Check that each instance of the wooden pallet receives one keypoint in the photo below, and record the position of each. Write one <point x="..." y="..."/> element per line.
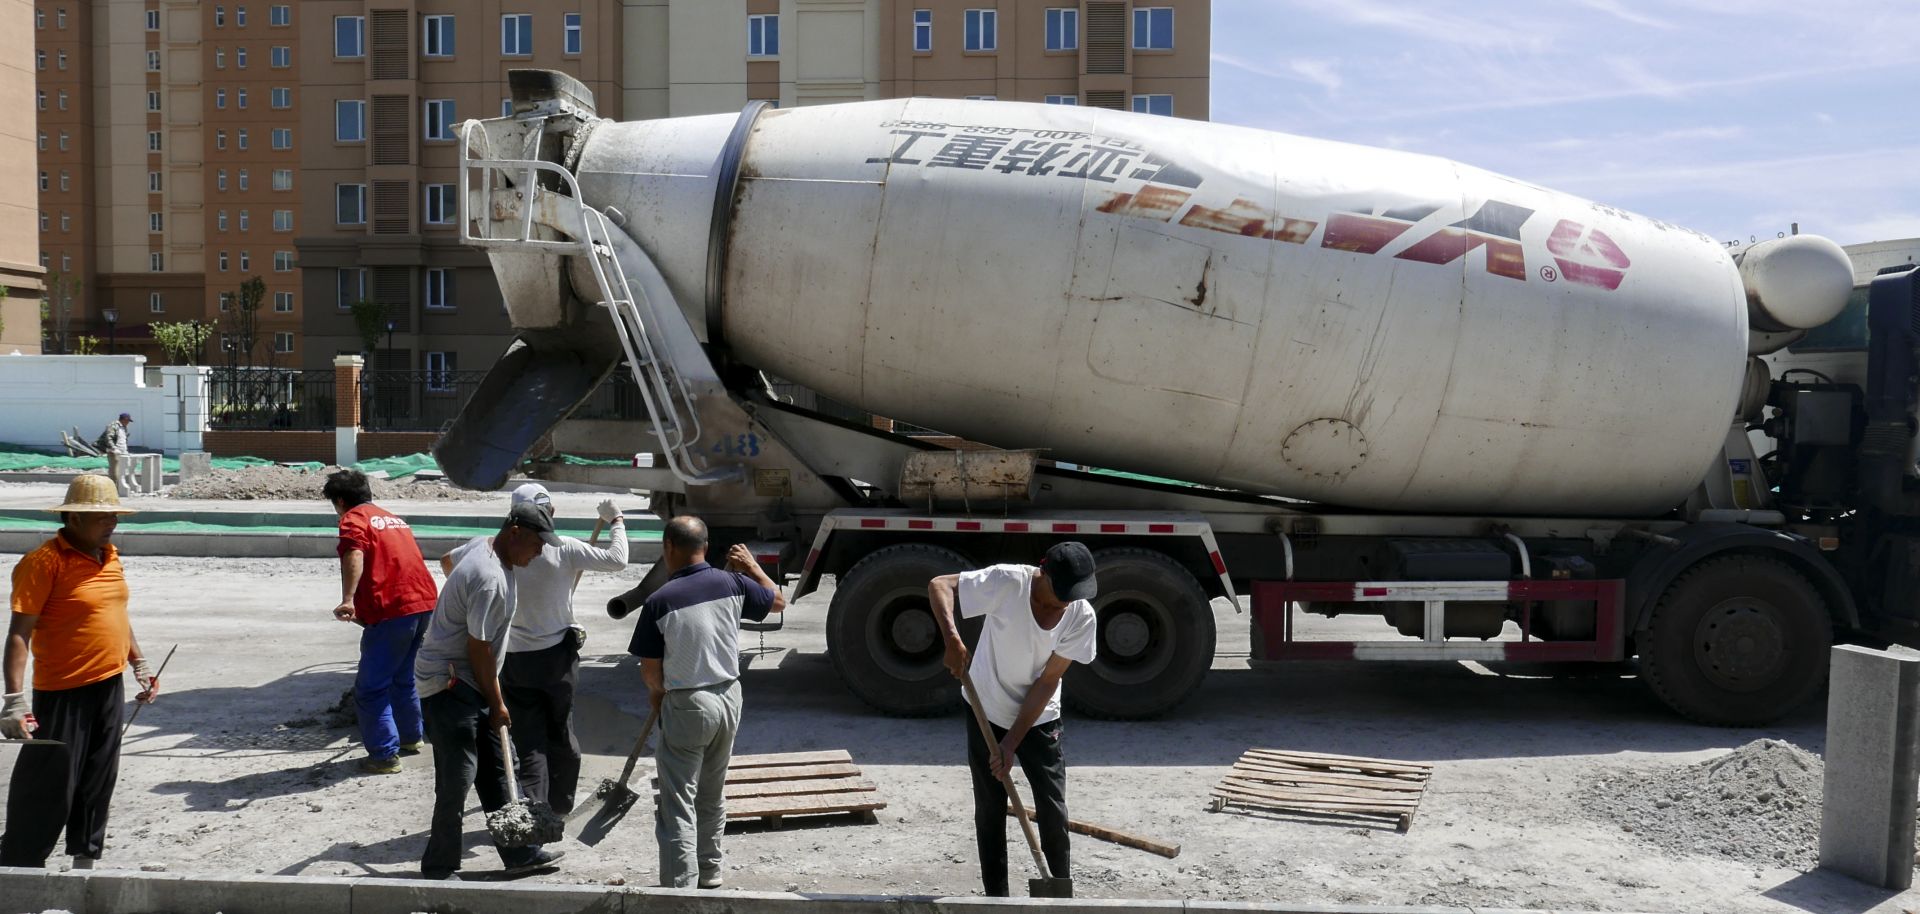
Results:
<point x="1313" y="784"/>
<point x="774" y="786"/>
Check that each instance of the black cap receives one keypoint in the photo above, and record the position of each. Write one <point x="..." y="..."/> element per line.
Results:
<point x="1069" y="569"/>
<point x="528" y="515"/>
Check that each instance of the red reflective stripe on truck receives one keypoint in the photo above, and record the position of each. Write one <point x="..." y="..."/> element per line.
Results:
<point x="1066" y="528"/>
<point x="1159" y="528"/>
<point x="919" y="525"/>
<point x="1219" y="564"/>
<point x="1014" y="526"/>
<point x="967" y="525"/>
<point x="872" y="523"/>
<point x="1113" y="528"/>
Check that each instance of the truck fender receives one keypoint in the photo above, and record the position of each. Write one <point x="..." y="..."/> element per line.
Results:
<point x="1656" y="569"/>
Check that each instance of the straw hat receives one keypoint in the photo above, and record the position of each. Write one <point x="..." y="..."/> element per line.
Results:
<point x="92" y="493"/>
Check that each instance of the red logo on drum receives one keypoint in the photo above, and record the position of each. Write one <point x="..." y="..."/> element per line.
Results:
<point x="1587" y="256"/>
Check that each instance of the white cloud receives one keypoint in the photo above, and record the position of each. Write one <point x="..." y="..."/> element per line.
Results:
<point x="1624" y="13"/>
<point x="1319" y="72"/>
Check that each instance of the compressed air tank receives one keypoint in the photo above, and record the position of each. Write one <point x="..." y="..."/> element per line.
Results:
<point x="1239" y="308"/>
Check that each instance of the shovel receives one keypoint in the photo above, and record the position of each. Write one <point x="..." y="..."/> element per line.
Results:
<point x="1048" y="885"/>
<point x="612" y="799"/>
<point x="520" y="823"/>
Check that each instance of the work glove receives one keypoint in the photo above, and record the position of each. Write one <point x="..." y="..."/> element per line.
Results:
<point x="149" y="683"/>
<point x="16" y="722"/>
<point x="608" y="513"/>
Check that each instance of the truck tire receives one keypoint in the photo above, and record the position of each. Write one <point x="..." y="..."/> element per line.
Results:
<point x="1155" y="640"/>
<point x="1738" y="640"/>
<point x="881" y="634"/>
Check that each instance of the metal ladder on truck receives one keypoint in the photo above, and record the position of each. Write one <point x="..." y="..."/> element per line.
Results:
<point x="518" y="200"/>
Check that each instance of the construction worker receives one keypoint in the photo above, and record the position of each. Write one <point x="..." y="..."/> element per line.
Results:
<point x="1038" y="621"/>
<point x="543" y="653"/>
<point x="386" y="589"/>
<point x="69" y="610"/>
<point x="113" y="442"/>
<point x="458" y="676"/>
<point x="688" y="644"/>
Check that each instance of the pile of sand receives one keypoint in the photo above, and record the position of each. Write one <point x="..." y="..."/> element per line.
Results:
<point x="288" y="483"/>
<point x="1759" y="804"/>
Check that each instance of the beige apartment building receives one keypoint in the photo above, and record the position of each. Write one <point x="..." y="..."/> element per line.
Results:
<point x="21" y="275"/>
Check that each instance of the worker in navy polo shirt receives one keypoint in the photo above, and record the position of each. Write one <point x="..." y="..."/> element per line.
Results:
<point x="688" y="644"/>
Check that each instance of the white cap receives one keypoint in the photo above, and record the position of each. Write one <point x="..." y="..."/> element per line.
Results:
<point x="535" y="494"/>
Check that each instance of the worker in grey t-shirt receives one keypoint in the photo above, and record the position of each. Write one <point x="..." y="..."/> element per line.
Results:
<point x="457" y="672"/>
<point x="543" y="653"/>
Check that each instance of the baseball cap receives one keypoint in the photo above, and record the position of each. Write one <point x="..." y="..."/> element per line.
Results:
<point x="529" y="516"/>
<point x="1069" y="569"/>
<point x="533" y="493"/>
<point x="127" y="416"/>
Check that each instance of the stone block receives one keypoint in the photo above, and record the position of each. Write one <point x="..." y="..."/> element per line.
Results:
<point x="408" y="896"/>
<point x="195" y="464"/>
<point x="124" y="892"/>
<point x="27" y="891"/>
<point x="1872" y="766"/>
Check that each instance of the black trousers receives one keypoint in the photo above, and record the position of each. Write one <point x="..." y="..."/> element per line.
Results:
<point x="1041" y="758"/>
<point x="538" y="686"/>
<point x="70" y="787"/>
<point x="466" y="754"/>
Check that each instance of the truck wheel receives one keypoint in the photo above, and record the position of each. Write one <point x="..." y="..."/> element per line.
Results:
<point x="1738" y="640"/>
<point x="881" y="634"/>
<point x="1155" y="638"/>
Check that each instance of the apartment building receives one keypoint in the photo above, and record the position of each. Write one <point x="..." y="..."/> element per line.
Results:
<point x="21" y="275"/>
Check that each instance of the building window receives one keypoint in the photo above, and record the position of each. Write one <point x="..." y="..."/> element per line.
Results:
<point x="440" y="288"/>
<point x="283" y="263"/>
<point x="349" y="36"/>
<point x="60" y="18"/>
<point x="219" y="98"/>
<point x="155" y="303"/>
<point x="65" y="183"/>
<point x="923" y="30"/>
<point x="153" y="141"/>
<point x="39" y="19"/>
<point x="240" y="17"/>
<point x="350" y="121"/>
<point x="763" y="36"/>
<point x="280" y="97"/>
<point x="62" y="97"/>
<point x="283" y="220"/>
<point x="43" y="142"/>
<point x="506" y="107"/>
<point x="440" y="369"/>
<point x="282" y="341"/>
<point x="155" y="262"/>
<point x="1063" y="99"/>
<point x="153" y="20"/>
<point x="40" y="97"/>
<point x="219" y="16"/>
<point x="220" y="221"/>
<point x="516" y="34"/>
<point x="153" y="182"/>
<point x="983" y="30"/>
<point x="223" y="269"/>
<point x="244" y="220"/>
<point x="283" y="301"/>
<point x="220" y="58"/>
<point x="240" y="58"/>
<point x="1154" y="104"/>
<point x="60" y="60"/>
<point x="153" y="101"/>
<point x="154" y="222"/>
<point x="66" y="222"/>
<point x="1063" y="29"/>
<point x="240" y="99"/>
<point x="440" y="209"/>
<point x="438" y="38"/>
<point x="240" y="137"/>
<point x="66" y="263"/>
<point x="226" y="304"/>
<point x="43" y="181"/>
<point x="350" y="204"/>
<point x="439" y="119"/>
<point x="349" y="286"/>
<point x="39" y="60"/>
<point x="982" y="98"/>
<point x="220" y="138"/>
<point x="1153" y="28"/>
<point x="220" y="179"/>
<point x="45" y="223"/>
<point x="572" y="41"/>
<point x="280" y="56"/>
<point x="280" y="14"/>
<point x="283" y="179"/>
<point x="63" y="141"/>
<point x="243" y="179"/>
<point x="283" y="137"/>
<point x="246" y="261"/>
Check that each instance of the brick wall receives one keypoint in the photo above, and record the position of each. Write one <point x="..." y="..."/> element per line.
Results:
<point x="395" y="444"/>
<point x="271" y="445"/>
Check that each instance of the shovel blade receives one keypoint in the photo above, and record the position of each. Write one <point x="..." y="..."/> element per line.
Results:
<point x="602" y="813"/>
<point x="1050" y="887"/>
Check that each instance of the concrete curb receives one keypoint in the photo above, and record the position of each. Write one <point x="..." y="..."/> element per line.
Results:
<point x="24" y="891"/>
<point x="325" y="520"/>
<point x="317" y="545"/>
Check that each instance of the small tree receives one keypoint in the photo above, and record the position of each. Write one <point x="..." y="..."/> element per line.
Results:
<point x="183" y="340"/>
<point x="242" y="320"/>
<point x="56" y="307"/>
<point x="86" y="345"/>
<point x="370" y="319"/>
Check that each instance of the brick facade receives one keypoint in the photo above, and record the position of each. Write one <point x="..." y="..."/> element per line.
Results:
<point x="395" y="444"/>
<point x="276" y="445"/>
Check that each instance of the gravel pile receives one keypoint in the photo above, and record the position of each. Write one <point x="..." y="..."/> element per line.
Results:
<point x="278" y="482"/>
<point x="1759" y="804"/>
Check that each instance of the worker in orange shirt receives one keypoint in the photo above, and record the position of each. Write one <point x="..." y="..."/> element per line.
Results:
<point x="69" y="610"/>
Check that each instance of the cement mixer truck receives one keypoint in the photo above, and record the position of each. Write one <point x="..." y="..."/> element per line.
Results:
<point x="1317" y="380"/>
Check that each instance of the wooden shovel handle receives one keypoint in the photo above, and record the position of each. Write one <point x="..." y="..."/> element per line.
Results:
<point x="506" y="758"/>
<point x="633" y="758"/>
<point x="1013" y="793"/>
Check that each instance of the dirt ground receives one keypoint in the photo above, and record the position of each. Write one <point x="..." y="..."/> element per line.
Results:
<point x="212" y="780"/>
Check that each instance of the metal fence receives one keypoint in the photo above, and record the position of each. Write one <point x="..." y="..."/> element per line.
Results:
<point x="414" y="401"/>
<point x="616" y="398"/>
<point x="270" y="398"/>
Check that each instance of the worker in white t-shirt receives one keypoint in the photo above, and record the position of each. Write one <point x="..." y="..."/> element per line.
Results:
<point x="1038" y="621"/>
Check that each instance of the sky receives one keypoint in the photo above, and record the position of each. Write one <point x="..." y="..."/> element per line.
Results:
<point x="1735" y="118"/>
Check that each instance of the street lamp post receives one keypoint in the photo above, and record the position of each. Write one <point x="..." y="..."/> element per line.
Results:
<point x="112" y="317"/>
<point x="389" y="396"/>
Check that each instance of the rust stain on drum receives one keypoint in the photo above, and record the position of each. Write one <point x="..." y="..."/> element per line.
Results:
<point x="1155" y="203"/>
<point x="1245" y="218"/>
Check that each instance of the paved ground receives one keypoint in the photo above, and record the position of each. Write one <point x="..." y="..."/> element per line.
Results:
<point x="212" y="781"/>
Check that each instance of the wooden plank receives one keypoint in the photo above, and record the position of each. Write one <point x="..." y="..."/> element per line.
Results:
<point x="1324" y="791"/>
<point x="1329" y="808"/>
<point x="1117" y="836"/>
<point x="1284" y="765"/>
<point x="790" y="788"/>
<point x="789" y="773"/>
<point x="1314" y="777"/>
<point x="823" y="757"/>
<point x="803" y="805"/>
<point x="1331" y="801"/>
<point x="1341" y="760"/>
